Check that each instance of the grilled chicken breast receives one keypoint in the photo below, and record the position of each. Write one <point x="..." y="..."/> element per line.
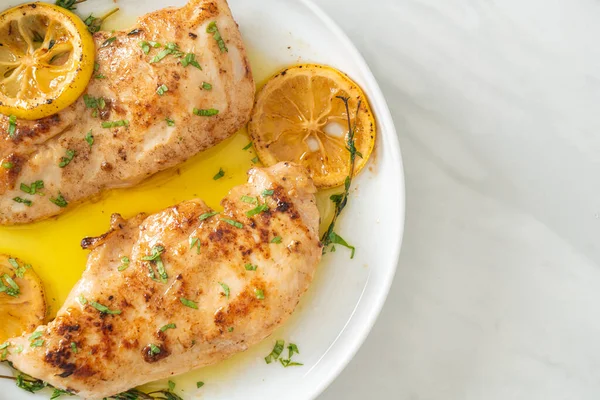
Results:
<point x="195" y="288"/>
<point x="139" y="118"/>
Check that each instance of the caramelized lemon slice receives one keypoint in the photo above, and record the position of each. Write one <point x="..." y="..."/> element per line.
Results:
<point x="46" y="60"/>
<point x="22" y="300"/>
<point x="299" y="117"/>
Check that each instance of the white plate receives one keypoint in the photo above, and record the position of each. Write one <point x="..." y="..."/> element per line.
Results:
<point x="337" y="313"/>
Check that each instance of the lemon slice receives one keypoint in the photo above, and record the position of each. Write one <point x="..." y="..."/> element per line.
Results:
<point x="299" y="117"/>
<point x="22" y="300"/>
<point x="46" y="60"/>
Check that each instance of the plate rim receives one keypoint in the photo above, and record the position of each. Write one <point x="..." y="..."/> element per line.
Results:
<point x="384" y="117"/>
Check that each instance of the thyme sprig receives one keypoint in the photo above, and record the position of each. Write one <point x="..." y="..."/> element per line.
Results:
<point x="341" y="199"/>
<point x="94" y="24"/>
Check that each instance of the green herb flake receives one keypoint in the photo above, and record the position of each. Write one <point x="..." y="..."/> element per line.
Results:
<point x="103" y="309"/>
<point x="115" y="124"/>
<point x="67" y="158"/>
<point x="212" y="28"/>
<point x="209" y="112"/>
<point x="337" y="239"/>
<point x="12" y="125"/>
<point x="170" y="48"/>
<point x="59" y="392"/>
<point x="276" y="240"/>
<point x="168" y="326"/>
<point x="171" y="385"/>
<point x="162" y="89"/>
<point x="155" y="257"/>
<point x="250" y="267"/>
<point x="108" y="41"/>
<point x="257" y="210"/>
<point x="233" y="222"/>
<point x="188" y="303"/>
<point x="36" y="335"/>
<point x="89" y="138"/>
<point x="67" y="4"/>
<point x="74" y="348"/>
<point x="124" y="264"/>
<point x="289" y="363"/>
<point x="225" y="289"/>
<point x="28" y="203"/>
<point x="32" y="189"/>
<point x="246" y="147"/>
<point x="82" y="300"/>
<point x="195" y="242"/>
<point x="37" y="343"/>
<point x="219" y="174"/>
<point x="199" y="384"/>
<point x="266" y="192"/>
<point x="206" y="86"/>
<point x="207" y="215"/>
<point x="59" y="201"/>
<point x="259" y="294"/>
<point x="276" y="352"/>
<point x="170" y="122"/>
<point x="8" y="165"/>
<point x="99" y="76"/>
<point x="29" y="384"/>
<point x="230" y="329"/>
<point x="12" y="289"/>
<point x="190" y="59"/>
<point x="254" y="160"/>
<point x="249" y="199"/>
<point x="154" y="349"/>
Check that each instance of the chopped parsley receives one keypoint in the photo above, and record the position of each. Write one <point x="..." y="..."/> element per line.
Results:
<point x="89" y="138"/>
<point x="99" y="76"/>
<point x="334" y="238"/>
<point x="199" y="384"/>
<point x="230" y="329"/>
<point x="171" y="385"/>
<point x="37" y="343"/>
<point x="190" y="59"/>
<point x="257" y="210"/>
<point x="170" y="48"/>
<point x="34" y="188"/>
<point x="115" y="124"/>
<point x="266" y="192"/>
<point x="170" y="122"/>
<point x="28" y="203"/>
<point x="147" y="45"/>
<point x="36" y="335"/>
<point x="59" y="200"/>
<point x="11" y="288"/>
<point x="219" y="174"/>
<point x="254" y="160"/>
<point x="246" y="147"/>
<point x="276" y="352"/>
<point x="12" y="125"/>
<point x="67" y="158"/>
<point x="276" y="239"/>
<point x="124" y="264"/>
<point x="95" y="103"/>
<point x="74" y="348"/>
<point x="160" y="267"/>
<point x="59" y="392"/>
<point x="250" y="267"/>
<point x="104" y="309"/>
<point x="67" y="4"/>
<point x="8" y="165"/>
<point x="19" y="269"/>
<point x="206" y="86"/>
<point x="207" y="215"/>
<point x="259" y="294"/>
<point x="225" y="289"/>
<point x="212" y="28"/>
<point x="233" y="222"/>
<point x="108" y="41"/>
<point x="188" y="303"/>
<point x="162" y="89"/>
<point x="168" y="326"/>
<point x="154" y="349"/>
<point x="195" y="242"/>
<point x="209" y="112"/>
<point x="249" y="199"/>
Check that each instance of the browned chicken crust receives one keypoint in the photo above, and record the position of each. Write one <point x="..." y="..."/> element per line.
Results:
<point x="128" y="90"/>
<point x="229" y="280"/>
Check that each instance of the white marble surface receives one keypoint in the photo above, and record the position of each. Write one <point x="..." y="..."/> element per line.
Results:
<point x="496" y="103"/>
